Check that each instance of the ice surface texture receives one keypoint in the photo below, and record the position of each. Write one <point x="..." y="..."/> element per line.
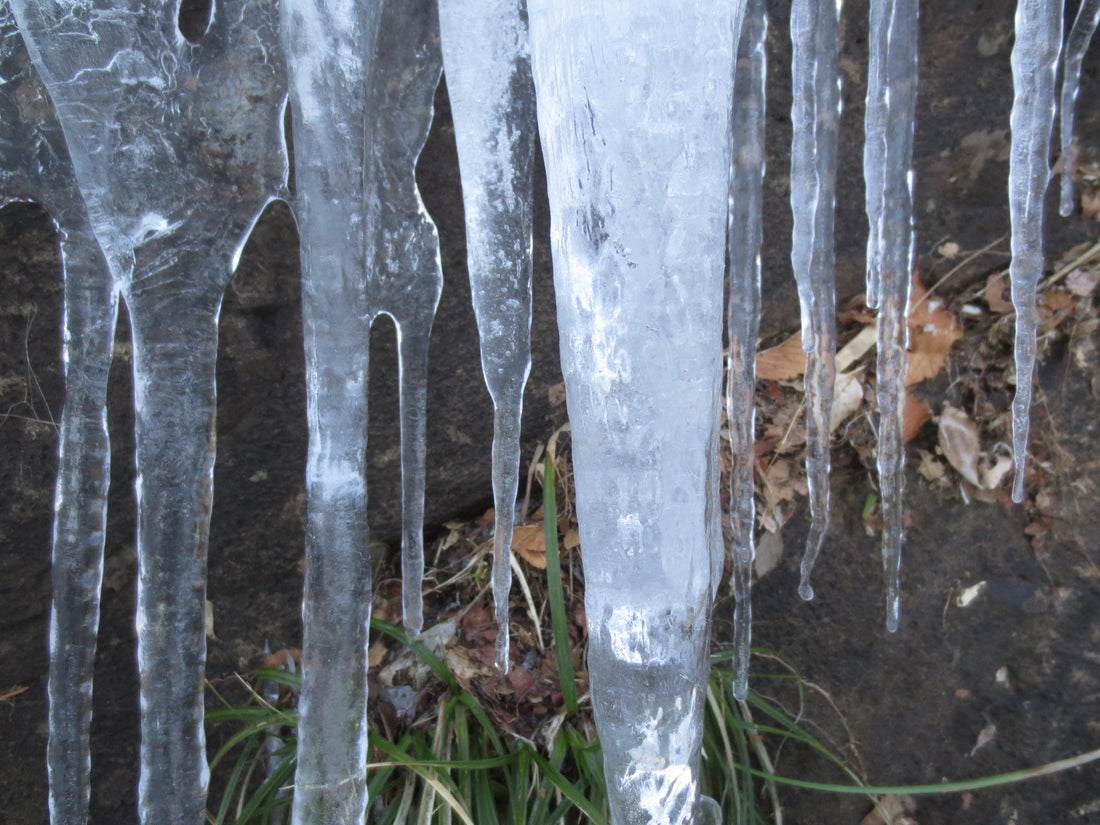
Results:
<point x="815" y="117"/>
<point x="487" y="58"/>
<point x="176" y="149"/>
<point x="637" y="160"/>
<point x="1034" y="67"/>
<point x="361" y="111"/>
<point x="35" y="165"/>
<point x="887" y="163"/>
<point x="743" y="315"/>
<point x="1084" y="26"/>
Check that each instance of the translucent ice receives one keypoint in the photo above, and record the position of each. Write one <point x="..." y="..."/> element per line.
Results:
<point x="35" y="165"/>
<point x="361" y="108"/>
<point x="815" y="116"/>
<point x="1084" y="26"/>
<point x="887" y="163"/>
<point x="1034" y="67"/>
<point x="635" y="133"/>
<point x="174" y="163"/>
<point x="488" y="65"/>
<point x="743" y="316"/>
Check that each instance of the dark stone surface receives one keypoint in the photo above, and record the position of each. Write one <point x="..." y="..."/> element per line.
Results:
<point x="256" y="535"/>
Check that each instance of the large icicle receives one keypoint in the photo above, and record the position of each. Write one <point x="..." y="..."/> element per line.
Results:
<point x="634" y="103"/>
<point x="35" y="164"/>
<point x="1034" y="67"/>
<point x="362" y="107"/>
<point x="1084" y="26"/>
<point x="815" y="117"/>
<point x="174" y="164"/>
<point x="330" y="51"/>
<point x="746" y="232"/>
<point x="488" y="67"/>
<point x="887" y="163"/>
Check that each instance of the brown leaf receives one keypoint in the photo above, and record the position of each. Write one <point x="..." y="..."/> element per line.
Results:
<point x="995" y="298"/>
<point x="784" y="362"/>
<point x="932" y="332"/>
<point x="1090" y="205"/>
<point x="917" y="412"/>
<point x="960" y="444"/>
<point x="377" y="653"/>
<point x="529" y="540"/>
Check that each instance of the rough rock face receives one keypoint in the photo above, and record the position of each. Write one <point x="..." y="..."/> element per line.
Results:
<point x="256" y="535"/>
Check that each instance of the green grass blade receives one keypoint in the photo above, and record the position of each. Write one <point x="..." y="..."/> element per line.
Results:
<point x="559" y="620"/>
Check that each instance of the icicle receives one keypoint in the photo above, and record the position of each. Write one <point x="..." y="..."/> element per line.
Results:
<point x="1034" y="67"/>
<point x="815" y="115"/>
<point x="144" y="137"/>
<point x="330" y="50"/>
<point x="887" y="162"/>
<point x="1084" y="26"/>
<point x="362" y="108"/>
<point x="35" y="164"/>
<point x="743" y="314"/>
<point x="634" y="105"/>
<point x="487" y="59"/>
<point x="408" y="275"/>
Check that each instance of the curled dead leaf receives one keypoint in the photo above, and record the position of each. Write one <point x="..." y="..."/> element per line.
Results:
<point x="960" y="444"/>
<point x="529" y="541"/>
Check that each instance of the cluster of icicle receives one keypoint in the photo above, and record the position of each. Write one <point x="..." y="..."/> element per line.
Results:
<point x="155" y="156"/>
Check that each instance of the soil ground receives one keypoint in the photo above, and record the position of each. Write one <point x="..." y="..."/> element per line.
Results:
<point x="1022" y="659"/>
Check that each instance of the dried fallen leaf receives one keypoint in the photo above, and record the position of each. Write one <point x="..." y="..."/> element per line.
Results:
<point x="960" y="444"/>
<point x="892" y="810"/>
<point x="377" y="653"/>
<point x="987" y="735"/>
<point x="529" y="540"/>
<point x="847" y="398"/>
<point x="929" y="468"/>
<point x="784" y="362"/>
<point x="1082" y="282"/>
<point x="572" y="539"/>
<point x="932" y="332"/>
<point x="994" y="294"/>
<point x="993" y="476"/>
<point x="769" y="550"/>
<point x="1090" y="205"/>
<point x="917" y="412"/>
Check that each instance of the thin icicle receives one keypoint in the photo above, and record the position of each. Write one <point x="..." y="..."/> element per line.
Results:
<point x="488" y="67"/>
<point x="1084" y="26"/>
<point x="408" y="277"/>
<point x="815" y="116"/>
<point x="35" y="164"/>
<point x="888" y="159"/>
<point x="173" y="173"/>
<point x="743" y="314"/>
<point x="1034" y="67"/>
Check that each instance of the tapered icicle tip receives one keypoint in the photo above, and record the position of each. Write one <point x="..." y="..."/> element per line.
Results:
<point x="893" y="607"/>
<point x="707" y="812"/>
<point x="740" y="689"/>
<point x="502" y="645"/>
<point x="1067" y="206"/>
<point x="805" y="589"/>
<point x="1018" y="482"/>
